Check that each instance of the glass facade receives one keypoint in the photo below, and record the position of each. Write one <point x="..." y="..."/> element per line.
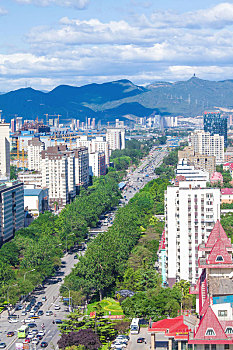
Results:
<point x="215" y="123"/>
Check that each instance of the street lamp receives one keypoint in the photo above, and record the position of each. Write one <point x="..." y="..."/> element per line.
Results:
<point x="27" y="272"/>
<point x="62" y="285"/>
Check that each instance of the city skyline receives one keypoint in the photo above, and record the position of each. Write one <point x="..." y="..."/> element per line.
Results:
<point x="46" y="43"/>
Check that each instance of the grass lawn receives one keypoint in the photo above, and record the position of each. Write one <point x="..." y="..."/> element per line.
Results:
<point x="108" y="305"/>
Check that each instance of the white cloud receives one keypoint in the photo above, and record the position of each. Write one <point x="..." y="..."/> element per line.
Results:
<point x="77" y="4"/>
<point x="3" y="11"/>
<point x="164" y="46"/>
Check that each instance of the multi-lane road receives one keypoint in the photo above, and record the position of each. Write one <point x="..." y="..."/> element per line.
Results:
<point x="135" y="180"/>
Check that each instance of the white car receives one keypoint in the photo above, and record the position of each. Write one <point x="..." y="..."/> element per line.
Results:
<point x="35" y="341"/>
<point x="56" y="307"/>
<point x="30" y="335"/>
<point x="27" y="320"/>
<point x="13" y="320"/>
<point x="49" y="313"/>
<point x="41" y="333"/>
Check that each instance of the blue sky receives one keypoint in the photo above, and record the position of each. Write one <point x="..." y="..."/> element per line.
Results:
<point x="45" y="43"/>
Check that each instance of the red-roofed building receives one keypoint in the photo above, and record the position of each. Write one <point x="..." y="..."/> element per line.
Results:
<point x="177" y="180"/>
<point x="226" y="195"/>
<point x="175" y="331"/>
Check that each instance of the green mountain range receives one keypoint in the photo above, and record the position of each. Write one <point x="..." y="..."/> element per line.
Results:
<point x="119" y="99"/>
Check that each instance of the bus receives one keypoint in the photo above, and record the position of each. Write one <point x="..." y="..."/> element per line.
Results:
<point x="135" y="327"/>
<point x="23" y="331"/>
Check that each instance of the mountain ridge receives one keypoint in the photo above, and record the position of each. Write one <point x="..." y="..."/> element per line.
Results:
<point x="119" y="98"/>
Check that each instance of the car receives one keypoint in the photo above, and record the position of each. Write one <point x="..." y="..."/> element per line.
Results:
<point x="27" y="320"/>
<point x="19" y="307"/>
<point x="40" y="313"/>
<point x="35" y="331"/>
<point x="141" y="340"/>
<point x="2" y="345"/>
<point x="10" y="334"/>
<point x="59" y="279"/>
<point x="38" y="336"/>
<point x="30" y="335"/>
<point x="41" y="333"/>
<point x="39" y="303"/>
<point x="13" y="320"/>
<point x="44" y="344"/>
<point x="49" y="313"/>
<point x="24" y="313"/>
<point x="58" y="321"/>
<point x="32" y="313"/>
<point x="27" y="340"/>
<point x="32" y="325"/>
<point x="44" y="298"/>
<point x="35" y="341"/>
<point x="35" y="317"/>
<point x="75" y="256"/>
<point x="57" y="307"/>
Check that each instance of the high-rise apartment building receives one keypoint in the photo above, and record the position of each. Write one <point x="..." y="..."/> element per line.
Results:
<point x="215" y="123"/>
<point x="58" y="174"/>
<point x="4" y="150"/>
<point x="116" y="138"/>
<point x="97" y="144"/>
<point x="11" y="209"/>
<point x="35" y="147"/>
<point x="190" y="213"/>
<point x="97" y="164"/>
<point x="81" y="166"/>
<point x="207" y="144"/>
<point x="18" y="123"/>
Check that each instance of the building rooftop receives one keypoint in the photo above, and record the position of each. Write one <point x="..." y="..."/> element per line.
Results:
<point x="227" y="191"/>
<point x="32" y="191"/>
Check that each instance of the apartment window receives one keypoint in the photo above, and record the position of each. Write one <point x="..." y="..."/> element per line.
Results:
<point x="219" y="258"/>
<point x="222" y="313"/>
<point x="207" y="347"/>
<point x="226" y="346"/>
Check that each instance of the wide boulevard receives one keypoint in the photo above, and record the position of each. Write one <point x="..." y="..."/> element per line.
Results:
<point x="135" y="180"/>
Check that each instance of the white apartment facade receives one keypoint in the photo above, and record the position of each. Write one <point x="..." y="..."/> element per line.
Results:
<point x="190" y="213"/>
<point x="4" y="150"/>
<point x="203" y="143"/>
<point x="97" y="164"/>
<point x="35" y="147"/>
<point x="97" y="144"/>
<point x="81" y="166"/>
<point x="31" y="178"/>
<point x="58" y="175"/>
<point x="11" y="209"/>
<point x="116" y="138"/>
<point x="190" y="173"/>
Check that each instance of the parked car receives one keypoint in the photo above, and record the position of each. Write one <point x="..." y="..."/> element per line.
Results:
<point x="44" y="344"/>
<point x="57" y="307"/>
<point x="32" y="325"/>
<point x="141" y="340"/>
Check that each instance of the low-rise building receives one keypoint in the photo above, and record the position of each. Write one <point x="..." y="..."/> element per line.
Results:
<point x="228" y="155"/>
<point x="199" y="161"/>
<point x="226" y="195"/>
<point x="11" y="209"/>
<point x="190" y="173"/>
<point x="31" y="178"/>
<point x="35" y="200"/>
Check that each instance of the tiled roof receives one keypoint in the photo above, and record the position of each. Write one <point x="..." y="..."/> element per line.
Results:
<point x="211" y="322"/>
<point x="227" y="191"/>
<point x="216" y="234"/>
<point x="219" y="255"/>
<point x="173" y="327"/>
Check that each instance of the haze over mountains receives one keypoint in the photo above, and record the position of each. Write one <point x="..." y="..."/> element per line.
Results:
<point x="120" y="98"/>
